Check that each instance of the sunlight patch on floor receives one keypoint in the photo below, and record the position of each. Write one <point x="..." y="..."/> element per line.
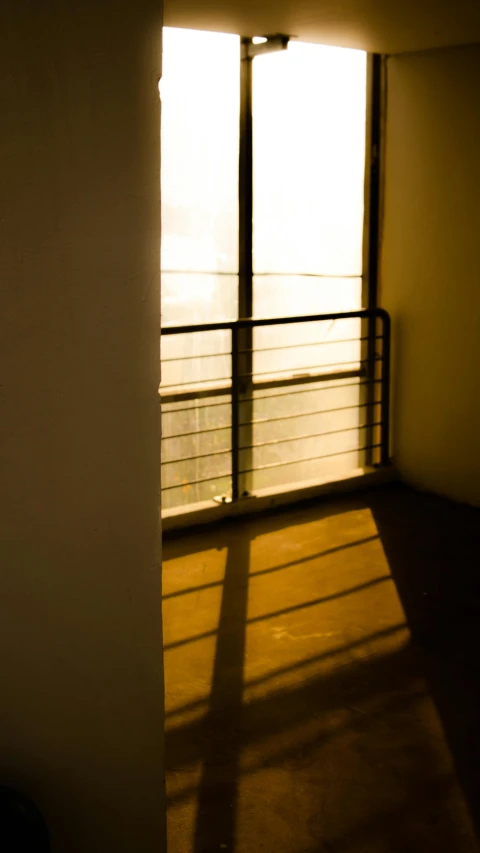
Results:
<point x="293" y="691"/>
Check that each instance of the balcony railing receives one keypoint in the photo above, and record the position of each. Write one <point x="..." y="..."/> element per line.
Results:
<point x="264" y="403"/>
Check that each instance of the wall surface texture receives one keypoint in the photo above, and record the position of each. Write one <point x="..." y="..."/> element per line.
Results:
<point x="431" y="267"/>
<point x="81" y="694"/>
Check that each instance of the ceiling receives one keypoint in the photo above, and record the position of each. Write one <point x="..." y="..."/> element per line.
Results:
<point x="383" y="26"/>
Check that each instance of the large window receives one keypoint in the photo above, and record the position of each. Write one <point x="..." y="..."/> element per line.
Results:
<point x="308" y="107"/>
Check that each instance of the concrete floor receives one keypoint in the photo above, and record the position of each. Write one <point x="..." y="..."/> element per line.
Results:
<point x="321" y="679"/>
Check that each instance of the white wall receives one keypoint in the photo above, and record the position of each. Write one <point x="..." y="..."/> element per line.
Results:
<point x="81" y="695"/>
<point x="431" y="267"/>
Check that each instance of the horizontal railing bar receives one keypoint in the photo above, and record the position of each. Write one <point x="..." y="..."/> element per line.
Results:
<point x="310" y="390"/>
<point x="198" y="382"/>
<point x="259" y="421"/>
<point x="192" y="408"/>
<point x="353" y="361"/>
<point x="292" y="378"/>
<point x="196" y="482"/>
<point x="272" y="465"/>
<point x="197" y="394"/>
<point x="194" y="396"/>
<point x="183" y="396"/>
<point x="308" y="459"/>
<point x="197" y="456"/>
<point x="378" y="357"/>
<point x="275" y="441"/>
<point x="251" y="323"/>
<point x="192" y="357"/>
<point x="306" y="275"/>
<point x="197" y="431"/>
<point x="256" y="350"/>
<point x="276" y="274"/>
<point x="306" y="414"/>
<point x="265" y="384"/>
<point x="215" y="391"/>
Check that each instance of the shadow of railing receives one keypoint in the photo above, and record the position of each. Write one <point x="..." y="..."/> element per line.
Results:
<point x="234" y="735"/>
<point x="326" y="553"/>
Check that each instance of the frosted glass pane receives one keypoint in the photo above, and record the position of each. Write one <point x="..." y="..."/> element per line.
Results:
<point x="196" y="445"/>
<point x="304" y="433"/>
<point x="196" y="359"/>
<point x="321" y="423"/>
<point x="279" y="295"/>
<point x="200" y="118"/>
<point x="309" y="109"/>
<point x="200" y="149"/>
<point x="309" y="157"/>
<point x="196" y="431"/>
<point x="198" y="298"/>
<point x="308" y="347"/>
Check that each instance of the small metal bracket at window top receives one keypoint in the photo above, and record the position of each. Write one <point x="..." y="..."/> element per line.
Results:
<point x="271" y="44"/>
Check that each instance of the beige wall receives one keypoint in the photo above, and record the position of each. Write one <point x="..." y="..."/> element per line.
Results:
<point x="431" y="267"/>
<point x="382" y="26"/>
<point x="81" y="697"/>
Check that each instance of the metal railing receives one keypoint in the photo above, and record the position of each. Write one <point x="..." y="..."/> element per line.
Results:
<point x="368" y="370"/>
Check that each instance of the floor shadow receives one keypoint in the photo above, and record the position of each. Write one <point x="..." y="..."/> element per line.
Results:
<point x="221" y="735"/>
<point x="387" y="688"/>
<point x="364" y="713"/>
<point x="433" y="548"/>
<point x="182" y="543"/>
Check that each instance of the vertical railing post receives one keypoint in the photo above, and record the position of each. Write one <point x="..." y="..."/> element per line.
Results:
<point x="235" y="416"/>
<point x="370" y="293"/>
<point x="385" y="385"/>
<point x="371" y="387"/>
<point x="245" y="254"/>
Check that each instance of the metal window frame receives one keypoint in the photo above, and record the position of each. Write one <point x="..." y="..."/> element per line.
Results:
<point x="371" y="223"/>
<point x="243" y="382"/>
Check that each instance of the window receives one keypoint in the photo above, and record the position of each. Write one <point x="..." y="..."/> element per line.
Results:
<point x="308" y="142"/>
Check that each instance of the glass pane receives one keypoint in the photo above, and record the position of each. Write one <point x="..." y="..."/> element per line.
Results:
<point x="309" y="155"/>
<point x="200" y="117"/>
<point x="288" y="295"/>
<point x="196" y="417"/>
<point x="309" y="108"/>
<point x="307" y="348"/>
<point x="195" y="359"/>
<point x="305" y="433"/>
<point x="196" y="444"/>
<point x="198" y="298"/>
<point x="200" y="147"/>
<point x="296" y="428"/>
<point x="316" y="346"/>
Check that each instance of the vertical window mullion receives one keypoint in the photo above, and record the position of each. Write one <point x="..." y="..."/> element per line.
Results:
<point x="242" y="384"/>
